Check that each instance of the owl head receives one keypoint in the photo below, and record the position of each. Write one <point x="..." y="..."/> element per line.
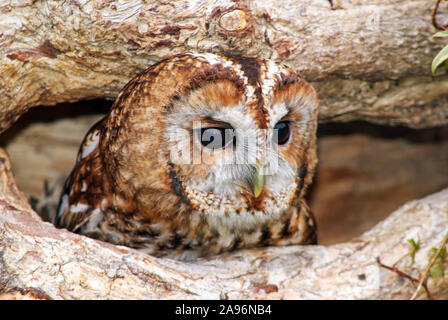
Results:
<point x="223" y="136"/>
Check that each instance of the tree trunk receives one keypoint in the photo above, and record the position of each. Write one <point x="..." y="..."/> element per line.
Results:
<point x="41" y="262"/>
<point x="368" y="60"/>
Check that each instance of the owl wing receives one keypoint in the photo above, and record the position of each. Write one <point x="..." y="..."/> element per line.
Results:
<point x="83" y="188"/>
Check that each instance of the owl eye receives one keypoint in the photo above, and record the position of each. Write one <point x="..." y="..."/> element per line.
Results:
<point x="215" y="137"/>
<point x="283" y="132"/>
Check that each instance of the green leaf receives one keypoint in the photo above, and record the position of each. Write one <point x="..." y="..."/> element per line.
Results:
<point x="415" y="248"/>
<point x="441" y="34"/>
<point x="437" y="270"/>
<point x="415" y="245"/>
<point x="442" y="253"/>
<point x="439" y="59"/>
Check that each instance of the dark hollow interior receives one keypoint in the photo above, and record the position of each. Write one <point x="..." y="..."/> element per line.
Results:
<point x="365" y="171"/>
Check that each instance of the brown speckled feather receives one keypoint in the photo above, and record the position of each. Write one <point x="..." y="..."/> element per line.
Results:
<point x="128" y="187"/>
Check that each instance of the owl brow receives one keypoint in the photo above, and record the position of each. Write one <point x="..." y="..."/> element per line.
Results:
<point x="216" y="123"/>
<point x="289" y="116"/>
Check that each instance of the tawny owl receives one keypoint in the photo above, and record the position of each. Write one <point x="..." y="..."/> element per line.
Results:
<point x="200" y="154"/>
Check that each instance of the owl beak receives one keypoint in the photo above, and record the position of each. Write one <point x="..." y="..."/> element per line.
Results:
<point x="258" y="180"/>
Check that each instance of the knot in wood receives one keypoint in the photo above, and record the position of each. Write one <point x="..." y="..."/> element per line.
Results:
<point x="234" y="20"/>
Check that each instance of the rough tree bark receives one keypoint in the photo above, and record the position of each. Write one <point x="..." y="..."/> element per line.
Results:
<point x="41" y="262"/>
<point x="368" y="60"/>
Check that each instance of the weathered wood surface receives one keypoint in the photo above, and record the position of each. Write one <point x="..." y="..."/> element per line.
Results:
<point x="368" y="59"/>
<point x="41" y="262"/>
